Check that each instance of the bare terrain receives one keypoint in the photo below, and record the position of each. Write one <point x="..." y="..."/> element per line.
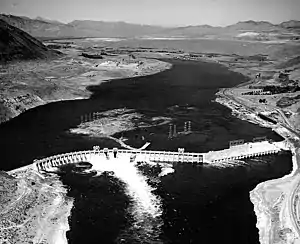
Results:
<point x="36" y="210"/>
<point x="27" y="84"/>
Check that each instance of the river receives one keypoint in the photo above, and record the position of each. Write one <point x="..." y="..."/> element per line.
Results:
<point x="194" y="204"/>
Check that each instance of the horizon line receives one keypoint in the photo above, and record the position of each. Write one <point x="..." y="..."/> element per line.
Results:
<point x="154" y="25"/>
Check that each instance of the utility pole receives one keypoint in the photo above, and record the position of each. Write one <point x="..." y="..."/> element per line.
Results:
<point x="170" y="131"/>
<point x="185" y="127"/>
<point x="175" y="131"/>
<point x="189" y="126"/>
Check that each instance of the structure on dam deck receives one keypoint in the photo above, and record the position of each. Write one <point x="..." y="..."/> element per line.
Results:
<point x="245" y="150"/>
<point x="235" y="152"/>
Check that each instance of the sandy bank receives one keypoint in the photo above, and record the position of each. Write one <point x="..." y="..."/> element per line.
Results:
<point x="272" y="200"/>
<point x="59" y="235"/>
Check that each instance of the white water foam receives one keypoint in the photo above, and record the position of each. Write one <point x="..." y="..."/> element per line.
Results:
<point x="146" y="207"/>
<point x="166" y="169"/>
<point x="227" y="164"/>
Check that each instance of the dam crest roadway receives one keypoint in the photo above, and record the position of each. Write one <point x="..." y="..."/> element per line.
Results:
<point x="236" y="151"/>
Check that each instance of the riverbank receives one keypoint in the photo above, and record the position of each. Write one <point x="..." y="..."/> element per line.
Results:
<point x="30" y="84"/>
<point x="273" y="200"/>
<point x="27" y="84"/>
<point x="178" y="95"/>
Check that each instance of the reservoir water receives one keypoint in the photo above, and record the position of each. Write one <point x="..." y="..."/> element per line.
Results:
<point x="193" y="204"/>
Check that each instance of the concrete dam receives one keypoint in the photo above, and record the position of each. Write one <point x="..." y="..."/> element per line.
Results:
<point x="237" y="150"/>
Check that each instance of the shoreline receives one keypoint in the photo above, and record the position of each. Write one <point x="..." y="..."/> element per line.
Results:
<point x="256" y="194"/>
<point x="263" y="204"/>
<point x="16" y="101"/>
<point x="57" y="234"/>
<point x="262" y="208"/>
<point x="60" y="236"/>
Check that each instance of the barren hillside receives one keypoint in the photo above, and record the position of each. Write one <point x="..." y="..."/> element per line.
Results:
<point x="17" y="44"/>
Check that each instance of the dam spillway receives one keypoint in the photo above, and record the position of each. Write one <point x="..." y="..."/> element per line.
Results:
<point x="235" y="152"/>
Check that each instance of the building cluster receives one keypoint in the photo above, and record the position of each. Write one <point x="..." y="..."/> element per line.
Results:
<point x="257" y="92"/>
<point x="272" y="89"/>
<point x="242" y="141"/>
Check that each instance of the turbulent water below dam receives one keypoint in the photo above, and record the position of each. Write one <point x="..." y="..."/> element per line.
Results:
<point x="116" y="201"/>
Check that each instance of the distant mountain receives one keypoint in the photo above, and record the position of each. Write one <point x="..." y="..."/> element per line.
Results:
<point x="43" y="28"/>
<point x="17" y="44"/>
<point x="258" y="26"/>
<point x="292" y="24"/>
<point x="251" y="27"/>
<point x="48" y="20"/>
<point x="116" y="29"/>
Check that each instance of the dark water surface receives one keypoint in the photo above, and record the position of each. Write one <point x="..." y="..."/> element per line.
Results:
<point x="201" y="204"/>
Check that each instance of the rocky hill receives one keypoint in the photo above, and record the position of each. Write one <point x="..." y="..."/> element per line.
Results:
<point x="47" y="29"/>
<point x="17" y="44"/>
<point x="51" y="29"/>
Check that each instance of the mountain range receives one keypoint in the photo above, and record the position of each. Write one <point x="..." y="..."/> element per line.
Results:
<point x="51" y="29"/>
<point x="17" y="44"/>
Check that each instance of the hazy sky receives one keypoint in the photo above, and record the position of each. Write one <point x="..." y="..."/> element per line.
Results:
<point x="158" y="12"/>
